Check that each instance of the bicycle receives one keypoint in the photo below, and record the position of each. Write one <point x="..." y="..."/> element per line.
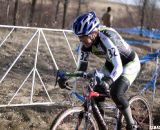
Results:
<point x="88" y="116"/>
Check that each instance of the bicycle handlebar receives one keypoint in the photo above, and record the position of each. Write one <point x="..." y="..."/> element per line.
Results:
<point x="62" y="74"/>
<point x="90" y="76"/>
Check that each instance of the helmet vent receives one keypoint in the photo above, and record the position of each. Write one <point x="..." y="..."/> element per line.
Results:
<point x="90" y="27"/>
<point x="78" y="28"/>
<point x="84" y="19"/>
<point x="85" y="26"/>
<point x="91" y="19"/>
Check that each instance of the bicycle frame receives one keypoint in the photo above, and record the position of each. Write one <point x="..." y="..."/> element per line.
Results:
<point x="89" y="113"/>
<point x="90" y="95"/>
<point x="113" y="108"/>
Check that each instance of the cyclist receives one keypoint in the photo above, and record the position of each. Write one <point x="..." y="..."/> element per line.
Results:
<point x="122" y="63"/>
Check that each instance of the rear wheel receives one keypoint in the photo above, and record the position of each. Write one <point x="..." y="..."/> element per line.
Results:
<point x="73" y="119"/>
<point x="141" y="113"/>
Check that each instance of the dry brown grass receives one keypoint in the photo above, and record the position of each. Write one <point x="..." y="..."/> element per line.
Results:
<point x="39" y="117"/>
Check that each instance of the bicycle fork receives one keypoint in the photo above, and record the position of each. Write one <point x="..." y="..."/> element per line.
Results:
<point x="99" y="118"/>
<point x="81" y="116"/>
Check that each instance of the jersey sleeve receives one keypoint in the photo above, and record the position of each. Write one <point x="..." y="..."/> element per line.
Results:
<point x="114" y="57"/>
<point x="83" y="57"/>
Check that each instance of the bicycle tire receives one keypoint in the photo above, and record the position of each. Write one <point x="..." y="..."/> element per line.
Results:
<point x="141" y="113"/>
<point x="65" y="120"/>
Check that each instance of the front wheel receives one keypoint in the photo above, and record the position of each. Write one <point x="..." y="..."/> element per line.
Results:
<point x="141" y="113"/>
<point x="73" y="119"/>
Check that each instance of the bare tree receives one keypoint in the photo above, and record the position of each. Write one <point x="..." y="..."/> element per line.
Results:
<point x="132" y="20"/>
<point x="79" y="7"/>
<point x="8" y="8"/>
<point x="65" y="12"/>
<point x="147" y="10"/>
<point x="32" y="11"/>
<point x="15" y="12"/>
<point x="150" y="14"/>
<point x="143" y="9"/>
<point x="57" y="9"/>
<point x="40" y="19"/>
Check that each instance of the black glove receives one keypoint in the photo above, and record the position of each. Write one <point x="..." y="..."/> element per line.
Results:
<point x="107" y="80"/>
<point x="106" y="83"/>
<point x="62" y="83"/>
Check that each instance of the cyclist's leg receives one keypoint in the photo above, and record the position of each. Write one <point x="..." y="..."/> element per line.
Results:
<point x="117" y="92"/>
<point x="121" y="85"/>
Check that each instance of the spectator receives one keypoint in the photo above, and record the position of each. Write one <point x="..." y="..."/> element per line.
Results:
<point x="107" y="18"/>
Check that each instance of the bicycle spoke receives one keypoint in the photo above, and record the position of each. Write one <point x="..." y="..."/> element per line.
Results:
<point x="73" y="119"/>
<point x="140" y="112"/>
<point x="69" y="122"/>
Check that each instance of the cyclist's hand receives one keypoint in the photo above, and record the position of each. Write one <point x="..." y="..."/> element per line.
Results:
<point x="105" y="85"/>
<point x="103" y="80"/>
<point x="62" y="82"/>
<point x="106" y="81"/>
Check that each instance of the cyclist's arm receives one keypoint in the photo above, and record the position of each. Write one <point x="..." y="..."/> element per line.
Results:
<point x="82" y="60"/>
<point x="114" y="57"/>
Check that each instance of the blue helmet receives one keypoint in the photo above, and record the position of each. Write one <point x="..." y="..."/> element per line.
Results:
<point x="85" y="24"/>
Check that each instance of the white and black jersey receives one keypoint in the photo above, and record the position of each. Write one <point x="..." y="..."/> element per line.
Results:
<point x="109" y="44"/>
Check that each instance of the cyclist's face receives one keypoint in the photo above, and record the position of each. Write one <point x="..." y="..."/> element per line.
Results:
<point x="88" y="40"/>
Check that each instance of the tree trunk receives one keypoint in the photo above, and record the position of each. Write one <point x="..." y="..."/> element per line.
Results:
<point x="15" y="12"/>
<point x="79" y="7"/>
<point x="64" y="12"/>
<point x="130" y="14"/>
<point x="151" y="14"/>
<point x="8" y="9"/>
<point x="40" y="19"/>
<point x="143" y="16"/>
<point x="32" y="11"/>
<point x="57" y="10"/>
